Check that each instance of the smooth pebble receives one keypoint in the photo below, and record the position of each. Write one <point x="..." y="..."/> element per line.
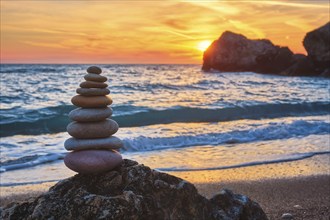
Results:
<point x="91" y="101"/>
<point x="91" y="84"/>
<point x="98" y="143"/>
<point x="92" y="161"/>
<point x="86" y="130"/>
<point x="90" y="114"/>
<point x="95" y="77"/>
<point x="93" y="91"/>
<point x="94" y="69"/>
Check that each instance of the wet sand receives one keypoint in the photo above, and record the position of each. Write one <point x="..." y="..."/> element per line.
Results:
<point x="301" y="188"/>
<point x="303" y="197"/>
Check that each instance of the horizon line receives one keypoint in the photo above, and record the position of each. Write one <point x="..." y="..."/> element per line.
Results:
<point x="101" y="64"/>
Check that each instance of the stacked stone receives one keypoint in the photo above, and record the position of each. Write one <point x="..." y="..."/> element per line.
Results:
<point x="92" y="144"/>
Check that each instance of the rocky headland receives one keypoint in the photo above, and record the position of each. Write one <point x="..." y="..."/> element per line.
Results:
<point x="235" y="53"/>
<point x="132" y="191"/>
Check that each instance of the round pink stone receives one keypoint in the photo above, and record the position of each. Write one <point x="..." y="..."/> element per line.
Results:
<point x="92" y="161"/>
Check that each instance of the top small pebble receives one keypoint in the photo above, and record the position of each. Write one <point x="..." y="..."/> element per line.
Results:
<point x="94" y="69"/>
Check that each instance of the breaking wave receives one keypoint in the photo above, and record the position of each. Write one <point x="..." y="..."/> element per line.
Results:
<point x="54" y="119"/>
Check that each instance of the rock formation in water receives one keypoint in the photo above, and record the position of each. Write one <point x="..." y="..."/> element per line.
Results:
<point x="94" y="147"/>
<point x="132" y="191"/>
<point x="235" y="53"/>
<point x="317" y="45"/>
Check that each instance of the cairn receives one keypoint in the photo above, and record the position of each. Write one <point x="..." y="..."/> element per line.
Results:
<point x="92" y="144"/>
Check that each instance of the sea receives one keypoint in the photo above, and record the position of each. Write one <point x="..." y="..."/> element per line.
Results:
<point x="172" y="118"/>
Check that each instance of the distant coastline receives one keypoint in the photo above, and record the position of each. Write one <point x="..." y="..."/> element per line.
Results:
<point x="235" y="53"/>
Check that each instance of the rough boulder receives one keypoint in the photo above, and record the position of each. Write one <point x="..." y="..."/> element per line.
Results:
<point x="234" y="52"/>
<point x="317" y="45"/>
<point x="132" y="191"/>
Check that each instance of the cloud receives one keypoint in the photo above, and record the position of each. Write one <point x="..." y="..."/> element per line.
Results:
<point x="301" y="4"/>
<point x="247" y="29"/>
<point x="48" y="45"/>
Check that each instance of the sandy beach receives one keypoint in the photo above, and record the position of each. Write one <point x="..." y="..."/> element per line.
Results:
<point x="303" y="197"/>
<point x="300" y="188"/>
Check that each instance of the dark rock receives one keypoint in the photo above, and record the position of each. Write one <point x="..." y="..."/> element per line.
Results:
<point x="287" y="216"/>
<point x="132" y="191"/>
<point x="317" y="45"/>
<point x="325" y="72"/>
<point x="234" y="52"/>
<point x="274" y="62"/>
<point x="236" y="206"/>
<point x="302" y="66"/>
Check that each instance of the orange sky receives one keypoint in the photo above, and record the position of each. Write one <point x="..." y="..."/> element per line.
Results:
<point x="145" y="31"/>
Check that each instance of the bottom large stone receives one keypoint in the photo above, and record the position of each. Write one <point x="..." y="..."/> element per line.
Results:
<point x="92" y="161"/>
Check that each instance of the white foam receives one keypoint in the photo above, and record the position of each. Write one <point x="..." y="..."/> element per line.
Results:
<point x="269" y="131"/>
<point x="39" y="160"/>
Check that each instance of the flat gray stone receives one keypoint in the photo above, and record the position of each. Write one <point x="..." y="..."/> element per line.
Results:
<point x="90" y="114"/>
<point x="87" y="130"/>
<point x="95" y="77"/>
<point x="92" y="91"/>
<point x="112" y="142"/>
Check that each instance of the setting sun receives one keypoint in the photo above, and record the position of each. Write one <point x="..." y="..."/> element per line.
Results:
<point x="203" y="45"/>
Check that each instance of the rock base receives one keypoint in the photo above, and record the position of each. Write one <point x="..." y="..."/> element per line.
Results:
<point x="132" y="191"/>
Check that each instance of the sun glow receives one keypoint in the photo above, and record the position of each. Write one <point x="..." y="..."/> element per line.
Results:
<point x="203" y="45"/>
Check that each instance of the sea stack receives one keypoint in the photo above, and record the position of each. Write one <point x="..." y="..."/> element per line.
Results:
<point x="92" y="143"/>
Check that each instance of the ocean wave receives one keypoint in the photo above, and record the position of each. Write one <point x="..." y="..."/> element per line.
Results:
<point x="270" y="131"/>
<point x="288" y="158"/>
<point x="29" y="161"/>
<point x="30" y="68"/>
<point x="156" y="86"/>
<point x="264" y="132"/>
<point x="54" y="119"/>
<point x="17" y="114"/>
